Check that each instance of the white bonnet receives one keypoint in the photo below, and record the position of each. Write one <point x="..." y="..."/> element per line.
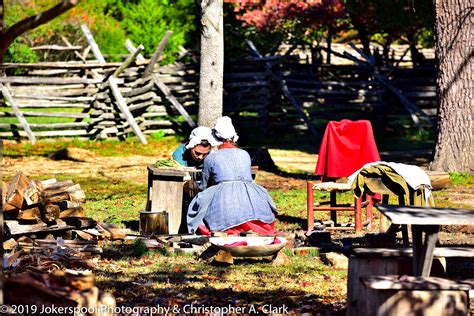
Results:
<point x="224" y="129"/>
<point x="198" y="135"/>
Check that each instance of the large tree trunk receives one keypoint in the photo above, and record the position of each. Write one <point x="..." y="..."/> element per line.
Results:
<point x="212" y="62"/>
<point x="455" y="53"/>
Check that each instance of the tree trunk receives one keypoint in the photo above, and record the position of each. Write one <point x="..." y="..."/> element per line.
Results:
<point x="363" y="35"/>
<point x="212" y="62"/>
<point x="454" y="52"/>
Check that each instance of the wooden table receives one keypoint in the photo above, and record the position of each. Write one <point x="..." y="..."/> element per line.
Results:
<point x="425" y="220"/>
<point x="165" y="193"/>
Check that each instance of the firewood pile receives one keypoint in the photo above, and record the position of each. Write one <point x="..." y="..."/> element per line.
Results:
<point x="50" y="248"/>
<point x="40" y="208"/>
<point x="55" y="277"/>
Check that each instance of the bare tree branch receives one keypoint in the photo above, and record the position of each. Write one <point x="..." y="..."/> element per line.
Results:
<point x="31" y="22"/>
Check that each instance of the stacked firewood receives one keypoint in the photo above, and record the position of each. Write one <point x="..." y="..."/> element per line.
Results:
<point x="41" y="204"/>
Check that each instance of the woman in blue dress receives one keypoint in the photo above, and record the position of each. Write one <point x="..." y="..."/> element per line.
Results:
<point x="231" y="201"/>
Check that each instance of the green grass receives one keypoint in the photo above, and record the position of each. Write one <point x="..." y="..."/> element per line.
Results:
<point x="459" y="178"/>
<point x="39" y="119"/>
<point x="158" y="147"/>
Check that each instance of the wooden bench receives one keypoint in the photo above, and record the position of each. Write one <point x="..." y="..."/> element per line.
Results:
<point x="408" y="295"/>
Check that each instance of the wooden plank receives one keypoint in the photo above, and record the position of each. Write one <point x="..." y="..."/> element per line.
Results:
<point x="18" y="114"/>
<point x="404" y="215"/>
<point x="170" y="97"/>
<point x="393" y="282"/>
<point x="62" y="65"/>
<point x="149" y="68"/>
<point x="92" y="43"/>
<point x="407" y="252"/>
<point x="51" y="105"/>
<point x="127" y="62"/>
<point x="124" y="109"/>
<point x="49" y="114"/>
<point x="51" y="72"/>
<point x="53" y="98"/>
<point x="48" y="81"/>
<point x="64" y="133"/>
<point x="17" y="229"/>
<point x="57" y="47"/>
<point x="48" y="126"/>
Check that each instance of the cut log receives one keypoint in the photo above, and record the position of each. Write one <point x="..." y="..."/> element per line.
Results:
<point x="56" y="198"/>
<point x="76" y="196"/>
<point x="115" y="232"/>
<point x="46" y="183"/>
<point x="67" y="188"/>
<point x="5" y="206"/>
<point x="65" y="205"/>
<point x="29" y="214"/>
<point x="16" y="189"/>
<point x="84" y="235"/>
<point x="80" y="222"/>
<point x="50" y="212"/>
<point x="439" y="180"/>
<point x="72" y="212"/>
<point x="32" y="194"/>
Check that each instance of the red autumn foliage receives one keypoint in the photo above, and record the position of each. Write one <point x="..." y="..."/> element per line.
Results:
<point x="273" y="15"/>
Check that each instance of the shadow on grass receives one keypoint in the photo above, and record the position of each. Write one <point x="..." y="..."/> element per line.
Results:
<point x="182" y="288"/>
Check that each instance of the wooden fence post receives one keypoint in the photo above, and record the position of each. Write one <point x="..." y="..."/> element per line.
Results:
<point x="92" y="43"/>
<point x="122" y="104"/>
<point x="18" y="113"/>
<point x="156" y="54"/>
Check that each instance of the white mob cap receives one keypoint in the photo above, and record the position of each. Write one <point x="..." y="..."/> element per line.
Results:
<point x="225" y="130"/>
<point x="198" y="135"/>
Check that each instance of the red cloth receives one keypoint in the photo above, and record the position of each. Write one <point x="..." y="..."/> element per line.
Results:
<point x="256" y="226"/>
<point x="244" y="243"/>
<point x="346" y="146"/>
<point x="236" y="244"/>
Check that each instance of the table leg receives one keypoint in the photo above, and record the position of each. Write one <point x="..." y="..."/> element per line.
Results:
<point x="423" y="251"/>
<point x="417" y="237"/>
<point x="310" y="205"/>
<point x="430" y="242"/>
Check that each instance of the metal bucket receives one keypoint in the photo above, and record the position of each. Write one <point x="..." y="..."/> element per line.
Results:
<point x="153" y="222"/>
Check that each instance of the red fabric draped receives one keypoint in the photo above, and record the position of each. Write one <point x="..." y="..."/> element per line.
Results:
<point x="346" y="146"/>
<point x="256" y="226"/>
